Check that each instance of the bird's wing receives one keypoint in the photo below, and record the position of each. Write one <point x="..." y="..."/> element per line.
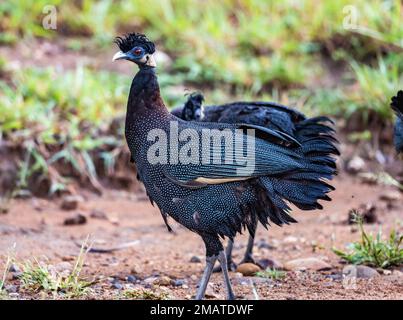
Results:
<point x="295" y="114"/>
<point x="270" y="153"/>
<point x="177" y="112"/>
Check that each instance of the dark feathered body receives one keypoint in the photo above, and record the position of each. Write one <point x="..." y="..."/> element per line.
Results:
<point x="220" y="199"/>
<point x="221" y="209"/>
<point x="397" y="106"/>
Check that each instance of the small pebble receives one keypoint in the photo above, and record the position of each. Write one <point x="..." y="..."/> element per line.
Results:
<point x="195" y="259"/>
<point x="117" y="285"/>
<point x="11" y="288"/>
<point x="75" y="220"/>
<point x="98" y="214"/>
<point x="71" y="202"/>
<point x="131" y="279"/>
<point x="14" y="268"/>
<point x="178" y="282"/>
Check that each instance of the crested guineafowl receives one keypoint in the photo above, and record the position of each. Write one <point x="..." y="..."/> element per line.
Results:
<point x="397" y="106"/>
<point x="216" y="189"/>
<point x="266" y="114"/>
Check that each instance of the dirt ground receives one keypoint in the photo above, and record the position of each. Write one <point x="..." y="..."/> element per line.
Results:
<point x="34" y="228"/>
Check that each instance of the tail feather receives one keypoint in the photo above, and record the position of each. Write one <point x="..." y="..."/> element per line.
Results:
<point x="307" y="186"/>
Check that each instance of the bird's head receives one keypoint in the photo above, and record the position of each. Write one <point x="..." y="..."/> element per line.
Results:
<point x="193" y="109"/>
<point x="137" y="48"/>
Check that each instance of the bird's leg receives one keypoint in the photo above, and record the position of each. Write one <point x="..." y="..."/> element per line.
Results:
<point x="230" y="263"/>
<point x="248" y="257"/>
<point x="206" y="276"/>
<point x="222" y="258"/>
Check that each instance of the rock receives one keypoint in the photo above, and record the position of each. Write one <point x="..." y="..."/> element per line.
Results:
<point x="150" y="280"/>
<point x="16" y="275"/>
<point x="210" y="293"/>
<point x="311" y="263"/>
<point x="334" y="276"/>
<point x="117" y="285"/>
<point x="70" y="202"/>
<point x="13" y="295"/>
<point x="11" y="288"/>
<point x="68" y="258"/>
<point x="14" y="268"/>
<point x="195" y="259"/>
<point x="270" y="263"/>
<point x="364" y="272"/>
<point x="131" y="279"/>
<point x="193" y="277"/>
<point x="98" y="214"/>
<point x="163" y="281"/>
<point x="135" y="270"/>
<point x="248" y="269"/>
<point x="290" y="239"/>
<point x="355" y="165"/>
<point x="390" y="196"/>
<point x="178" y="282"/>
<point x="75" y="220"/>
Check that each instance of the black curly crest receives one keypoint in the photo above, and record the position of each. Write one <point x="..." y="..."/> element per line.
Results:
<point x="131" y="40"/>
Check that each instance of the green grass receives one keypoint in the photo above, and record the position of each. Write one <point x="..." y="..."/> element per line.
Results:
<point x="374" y="250"/>
<point x="144" y="294"/>
<point x="38" y="277"/>
<point x="273" y="274"/>
<point x="243" y="50"/>
<point x="3" y="292"/>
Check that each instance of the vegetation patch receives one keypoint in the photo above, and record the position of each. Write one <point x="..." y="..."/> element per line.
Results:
<point x="374" y="250"/>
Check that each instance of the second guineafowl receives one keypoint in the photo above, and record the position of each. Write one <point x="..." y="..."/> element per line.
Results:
<point x="270" y="115"/>
<point x="190" y="178"/>
<point x="397" y="106"/>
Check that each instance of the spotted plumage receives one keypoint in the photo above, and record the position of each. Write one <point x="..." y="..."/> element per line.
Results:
<point x="206" y="197"/>
<point x="313" y="134"/>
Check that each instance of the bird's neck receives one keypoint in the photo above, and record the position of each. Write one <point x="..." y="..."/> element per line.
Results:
<point x="145" y="97"/>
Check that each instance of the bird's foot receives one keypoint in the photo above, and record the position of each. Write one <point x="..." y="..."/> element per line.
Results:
<point x="230" y="264"/>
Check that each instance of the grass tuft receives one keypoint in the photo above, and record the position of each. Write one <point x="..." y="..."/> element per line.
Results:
<point x="145" y="294"/>
<point x="273" y="274"/>
<point x="373" y="250"/>
<point x="39" y="277"/>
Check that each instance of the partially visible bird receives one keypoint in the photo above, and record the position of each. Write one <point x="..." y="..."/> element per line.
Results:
<point x="397" y="106"/>
<point x="216" y="199"/>
<point x="266" y="114"/>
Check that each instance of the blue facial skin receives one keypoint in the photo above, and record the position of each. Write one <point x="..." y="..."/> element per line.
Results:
<point x="136" y="54"/>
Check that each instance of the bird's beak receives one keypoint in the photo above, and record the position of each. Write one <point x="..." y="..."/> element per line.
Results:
<point x="119" y="56"/>
<point x="151" y="61"/>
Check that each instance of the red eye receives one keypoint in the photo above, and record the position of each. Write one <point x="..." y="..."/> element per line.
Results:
<point x="137" y="51"/>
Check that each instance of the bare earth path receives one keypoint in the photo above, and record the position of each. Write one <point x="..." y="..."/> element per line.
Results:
<point x="36" y="228"/>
